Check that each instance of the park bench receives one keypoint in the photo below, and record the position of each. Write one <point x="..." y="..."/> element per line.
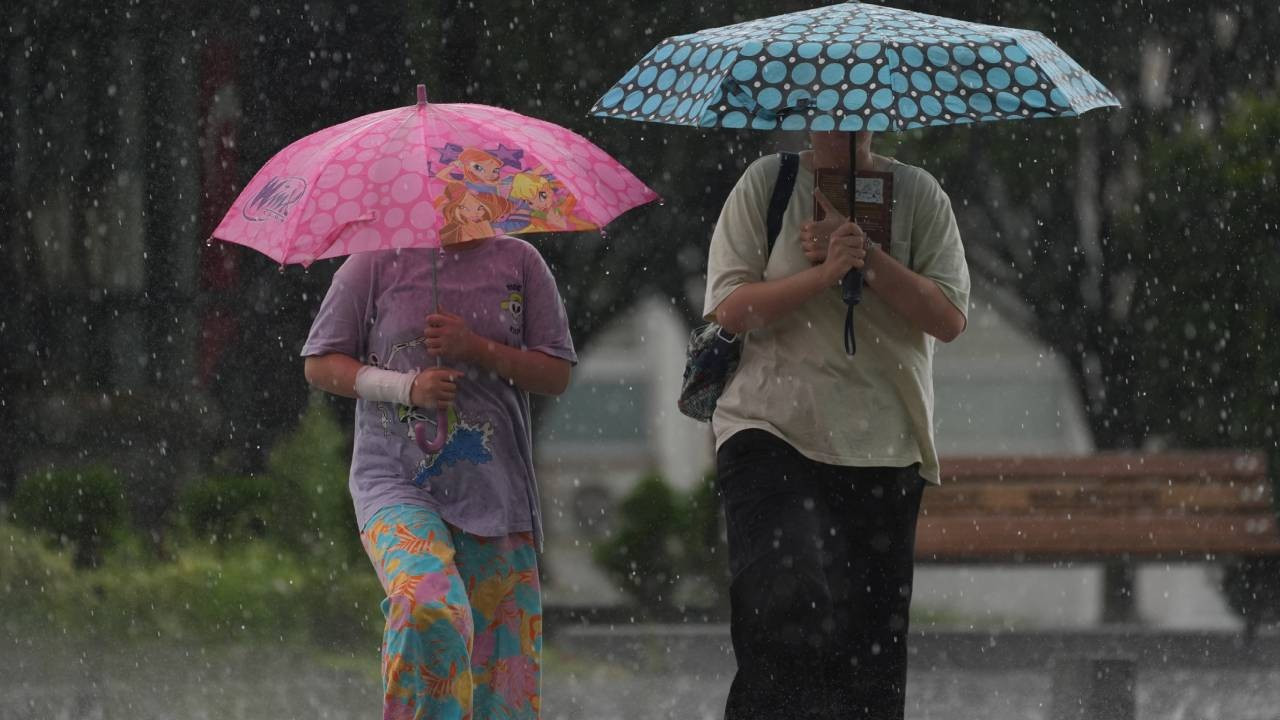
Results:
<point x="1114" y="508"/>
<point x="1117" y="509"/>
<point x="1165" y="506"/>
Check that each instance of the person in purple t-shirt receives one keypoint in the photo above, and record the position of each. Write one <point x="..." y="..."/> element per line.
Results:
<point x="453" y="535"/>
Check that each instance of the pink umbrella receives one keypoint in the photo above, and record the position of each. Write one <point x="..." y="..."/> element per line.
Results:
<point x="426" y="176"/>
<point x="423" y="176"/>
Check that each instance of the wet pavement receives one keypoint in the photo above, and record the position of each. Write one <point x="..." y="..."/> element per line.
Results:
<point x="636" y="673"/>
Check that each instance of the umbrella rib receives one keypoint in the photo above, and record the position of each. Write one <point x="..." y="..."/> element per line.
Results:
<point x="426" y="159"/>
<point x="290" y="229"/>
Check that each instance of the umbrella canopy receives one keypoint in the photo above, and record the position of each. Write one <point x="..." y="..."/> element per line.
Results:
<point x="853" y="66"/>
<point x="427" y="175"/>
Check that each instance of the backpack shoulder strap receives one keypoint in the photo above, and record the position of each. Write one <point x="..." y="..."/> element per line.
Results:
<point x="790" y="163"/>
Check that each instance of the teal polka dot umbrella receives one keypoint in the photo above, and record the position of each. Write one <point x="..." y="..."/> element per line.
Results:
<point x="853" y="66"/>
<point x="849" y="67"/>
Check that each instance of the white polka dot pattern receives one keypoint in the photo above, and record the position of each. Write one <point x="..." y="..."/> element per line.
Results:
<point x="853" y="66"/>
<point x="423" y="176"/>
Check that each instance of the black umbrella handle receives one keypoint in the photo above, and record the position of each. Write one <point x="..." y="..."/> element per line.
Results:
<point x="851" y="284"/>
<point x="851" y="287"/>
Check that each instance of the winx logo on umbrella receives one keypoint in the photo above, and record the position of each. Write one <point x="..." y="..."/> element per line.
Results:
<point x="274" y="200"/>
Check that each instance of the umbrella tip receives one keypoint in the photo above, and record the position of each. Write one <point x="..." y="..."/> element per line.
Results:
<point x="422" y="94"/>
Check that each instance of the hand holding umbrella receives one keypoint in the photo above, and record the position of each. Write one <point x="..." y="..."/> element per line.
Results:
<point x="836" y="242"/>
<point x="447" y="337"/>
<point x="815" y="234"/>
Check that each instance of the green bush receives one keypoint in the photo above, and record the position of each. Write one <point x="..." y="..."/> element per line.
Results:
<point x="245" y="591"/>
<point x="38" y="583"/>
<point x="83" y="507"/>
<point x="640" y="554"/>
<point x="309" y="469"/>
<point x="270" y="557"/>
<point x="706" y="559"/>
<point x="300" y="503"/>
<point x="667" y="552"/>
<point x="251" y="591"/>
<point x="226" y="509"/>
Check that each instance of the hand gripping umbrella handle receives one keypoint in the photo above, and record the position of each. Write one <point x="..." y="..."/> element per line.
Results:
<point x="435" y="444"/>
<point x="851" y="287"/>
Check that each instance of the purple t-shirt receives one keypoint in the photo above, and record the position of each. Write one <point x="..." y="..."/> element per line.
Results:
<point x="482" y="480"/>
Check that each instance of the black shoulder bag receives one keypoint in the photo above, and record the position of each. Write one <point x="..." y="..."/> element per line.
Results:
<point x="713" y="352"/>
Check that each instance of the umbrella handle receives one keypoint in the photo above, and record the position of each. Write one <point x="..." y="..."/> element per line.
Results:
<point x="851" y="287"/>
<point x="435" y="444"/>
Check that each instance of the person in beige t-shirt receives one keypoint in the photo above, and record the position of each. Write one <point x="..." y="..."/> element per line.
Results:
<point x="822" y="456"/>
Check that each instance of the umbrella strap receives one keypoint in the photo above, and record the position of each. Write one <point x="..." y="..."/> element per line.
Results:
<point x="850" y="344"/>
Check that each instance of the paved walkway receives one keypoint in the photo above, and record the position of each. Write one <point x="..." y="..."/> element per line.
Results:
<point x="631" y="673"/>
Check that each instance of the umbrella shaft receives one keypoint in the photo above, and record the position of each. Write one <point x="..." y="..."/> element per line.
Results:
<point x="435" y="286"/>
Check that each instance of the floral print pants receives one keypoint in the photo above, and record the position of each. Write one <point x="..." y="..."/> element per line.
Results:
<point x="463" y="638"/>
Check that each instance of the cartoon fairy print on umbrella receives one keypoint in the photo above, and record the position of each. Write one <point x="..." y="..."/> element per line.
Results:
<point x="427" y="176"/>
<point x="488" y="191"/>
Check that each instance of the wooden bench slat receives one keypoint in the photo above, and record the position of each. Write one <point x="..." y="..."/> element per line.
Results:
<point x="1098" y="496"/>
<point x="940" y="539"/>
<point x="1183" y="505"/>
<point x="1215" y="464"/>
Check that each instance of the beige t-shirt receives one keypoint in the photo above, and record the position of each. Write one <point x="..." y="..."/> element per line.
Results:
<point x="794" y="380"/>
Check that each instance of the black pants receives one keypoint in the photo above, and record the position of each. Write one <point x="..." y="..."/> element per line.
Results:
<point x="822" y="561"/>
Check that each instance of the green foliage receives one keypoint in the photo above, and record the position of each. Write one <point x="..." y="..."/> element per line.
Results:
<point x="83" y="507"/>
<point x="300" y="503"/>
<point x="38" y="583"/>
<point x="707" y="554"/>
<point x="667" y="552"/>
<point x="225" y="509"/>
<point x="641" y="555"/>
<point x="1207" y="308"/>
<point x="266" y="557"/>
<point x="310" y="469"/>
<point x="248" y="591"/>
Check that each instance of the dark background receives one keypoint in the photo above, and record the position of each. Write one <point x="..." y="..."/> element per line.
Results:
<point x="1143" y="244"/>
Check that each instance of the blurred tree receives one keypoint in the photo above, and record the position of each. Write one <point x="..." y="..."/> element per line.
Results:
<point x="668" y="551"/>
<point x="82" y="508"/>
<point x="1048" y="208"/>
<point x="1206" y="309"/>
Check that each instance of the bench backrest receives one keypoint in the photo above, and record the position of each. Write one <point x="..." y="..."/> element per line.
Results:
<point x="1170" y="505"/>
